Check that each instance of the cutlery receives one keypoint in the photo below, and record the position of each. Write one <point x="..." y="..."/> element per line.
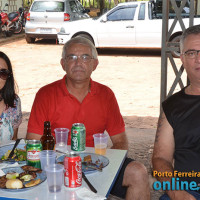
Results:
<point x="88" y="183"/>
<point x="14" y="147"/>
<point x="92" y="166"/>
<point x="61" y="151"/>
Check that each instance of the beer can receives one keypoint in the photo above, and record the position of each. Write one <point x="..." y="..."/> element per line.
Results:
<point x="78" y="133"/>
<point x="33" y="148"/>
<point x="73" y="170"/>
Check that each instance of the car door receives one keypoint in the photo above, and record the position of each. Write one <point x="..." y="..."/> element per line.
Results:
<point x="118" y="29"/>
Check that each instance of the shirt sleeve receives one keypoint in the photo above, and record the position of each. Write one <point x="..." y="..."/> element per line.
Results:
<point x="17" y="116"/>
<point x="38" y="114"/>
<point x="115" y="123"/>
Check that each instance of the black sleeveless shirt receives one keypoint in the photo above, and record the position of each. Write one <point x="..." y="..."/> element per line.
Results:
<point x="183" y="114"/>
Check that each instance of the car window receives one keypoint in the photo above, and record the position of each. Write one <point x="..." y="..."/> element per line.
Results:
<point x="46" y="6"/>
<point x="79" y="6"/>
<point x="141" y="15"/>
<point x="124" y="13"/>
<point x="73" y="6"/>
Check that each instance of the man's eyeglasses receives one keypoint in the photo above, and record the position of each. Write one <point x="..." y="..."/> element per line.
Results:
<point x="84" y="58"/>
<point x="191" y="54"/>
<point x="4" y="74"/>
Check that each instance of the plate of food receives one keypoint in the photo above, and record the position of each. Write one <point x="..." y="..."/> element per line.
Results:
<point x="18" y="179"/>
<point x="19" y="153"/>
<point x="90" y="162"/>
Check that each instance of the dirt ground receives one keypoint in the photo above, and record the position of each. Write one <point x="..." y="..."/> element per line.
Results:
<point x="133" y="75"/>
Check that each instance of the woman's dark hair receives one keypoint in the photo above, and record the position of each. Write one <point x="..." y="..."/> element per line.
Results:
<point x="8" y="91"/>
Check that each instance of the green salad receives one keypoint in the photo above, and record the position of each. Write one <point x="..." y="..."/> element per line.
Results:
<point x="19" y="155"/>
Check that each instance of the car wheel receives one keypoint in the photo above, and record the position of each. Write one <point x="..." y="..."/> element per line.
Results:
<point x="176" y="54"/>
<point x="29" y="40"/>
<point x="18" y="27"/>
<point x="86" y="36"/>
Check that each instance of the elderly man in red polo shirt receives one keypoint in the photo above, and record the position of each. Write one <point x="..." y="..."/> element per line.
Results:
<point x="77" y="98"/>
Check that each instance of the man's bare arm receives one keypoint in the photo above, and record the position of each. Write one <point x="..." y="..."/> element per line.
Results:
<point x="33" y="136"/>
<point x="162" y="159"/>
<point x="163" y="148"/>
<point x="119" y="141"/>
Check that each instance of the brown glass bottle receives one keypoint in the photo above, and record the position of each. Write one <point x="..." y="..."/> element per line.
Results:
<point x="47" y="139"/>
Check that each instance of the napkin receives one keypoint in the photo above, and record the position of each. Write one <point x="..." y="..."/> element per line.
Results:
<point x="5" y="165"/>
<point x="87" y="194"/>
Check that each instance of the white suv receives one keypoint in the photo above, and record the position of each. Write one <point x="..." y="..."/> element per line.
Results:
<point x="46" y="17"/>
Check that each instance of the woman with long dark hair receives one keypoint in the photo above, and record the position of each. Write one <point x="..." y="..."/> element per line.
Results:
<point x="10" y="104"/>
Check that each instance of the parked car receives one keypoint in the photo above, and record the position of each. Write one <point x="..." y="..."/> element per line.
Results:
<point x="128" y="25"/>
<point x="45" y="17"/>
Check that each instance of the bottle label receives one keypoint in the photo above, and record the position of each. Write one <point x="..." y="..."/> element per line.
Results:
<point x="33" y="155"/>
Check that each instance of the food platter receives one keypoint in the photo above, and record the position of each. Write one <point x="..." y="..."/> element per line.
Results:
<point x="97" y="159"/>
<point x="5" y="149"/>
<point x="41" y="176"/>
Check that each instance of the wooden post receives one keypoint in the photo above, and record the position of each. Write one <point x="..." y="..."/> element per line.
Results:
<point x="198" y="7"/>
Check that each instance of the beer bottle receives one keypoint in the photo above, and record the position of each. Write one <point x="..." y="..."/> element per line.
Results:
<point x="47" y="139"/>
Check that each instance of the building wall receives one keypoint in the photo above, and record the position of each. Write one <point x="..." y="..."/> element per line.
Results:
<point x="13" y="5"/>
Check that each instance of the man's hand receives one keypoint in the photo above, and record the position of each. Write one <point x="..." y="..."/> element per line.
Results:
<point x="180" y="195"/>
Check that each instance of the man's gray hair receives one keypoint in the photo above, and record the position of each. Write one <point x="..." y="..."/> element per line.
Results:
<point x="79" y="40"/>
<point x="189" y="31"/>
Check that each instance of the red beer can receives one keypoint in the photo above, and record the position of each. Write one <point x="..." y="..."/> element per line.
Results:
<point x="73" y="170"/>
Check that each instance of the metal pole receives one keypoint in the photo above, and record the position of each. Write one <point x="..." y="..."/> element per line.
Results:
<point x="163" y="92"/>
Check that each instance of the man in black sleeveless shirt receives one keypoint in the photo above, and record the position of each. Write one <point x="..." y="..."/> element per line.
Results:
<point x="177" y="144"/>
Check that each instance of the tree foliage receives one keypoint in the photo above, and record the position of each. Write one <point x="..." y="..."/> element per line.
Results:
<point x="103" y="5"/>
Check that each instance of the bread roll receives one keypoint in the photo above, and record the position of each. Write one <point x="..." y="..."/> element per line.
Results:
<point x="14" y="184"/>
<point x="32" y="183"/>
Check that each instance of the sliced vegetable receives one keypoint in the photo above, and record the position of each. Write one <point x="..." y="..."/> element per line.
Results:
<point x="12" y="175"/>
<point x="27" y="177"/>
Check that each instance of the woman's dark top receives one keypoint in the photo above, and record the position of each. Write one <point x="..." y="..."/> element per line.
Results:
<point x="183" y="114"/>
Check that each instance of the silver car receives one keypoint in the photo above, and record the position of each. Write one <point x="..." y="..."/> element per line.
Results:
<point x="46" y="17"/>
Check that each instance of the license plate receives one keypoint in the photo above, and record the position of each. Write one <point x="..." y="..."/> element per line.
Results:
<point x="46" y="30"/>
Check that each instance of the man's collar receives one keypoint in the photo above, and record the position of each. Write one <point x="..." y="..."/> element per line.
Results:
<point x="93" y="88"/>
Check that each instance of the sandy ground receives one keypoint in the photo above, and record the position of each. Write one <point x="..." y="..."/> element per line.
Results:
<point x="133" y="75"/>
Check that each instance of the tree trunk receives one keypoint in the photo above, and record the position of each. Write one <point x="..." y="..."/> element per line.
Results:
<point x="109" y="5"/>
<point x="102" y="6"/>
<point x="116" y="2"/>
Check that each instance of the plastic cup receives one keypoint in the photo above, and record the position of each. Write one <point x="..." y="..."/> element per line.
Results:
<point x="100" y="143"/>
<point x="61" y="136"/>
<point x="47" y="157"/>
<point x="55" y="176"/>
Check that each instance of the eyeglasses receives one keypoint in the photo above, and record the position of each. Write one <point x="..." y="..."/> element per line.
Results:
<point x="191" y="54"/>
<point x="85" y="58"/>
<point x="4" y="74"/>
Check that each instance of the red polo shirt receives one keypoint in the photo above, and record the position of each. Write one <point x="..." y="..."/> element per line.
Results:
<point x="99" y="111"/>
